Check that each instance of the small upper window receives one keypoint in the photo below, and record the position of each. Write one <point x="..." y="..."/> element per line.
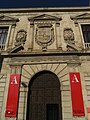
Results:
<point x="3" y="36"/>
<point x="86" y="33"/>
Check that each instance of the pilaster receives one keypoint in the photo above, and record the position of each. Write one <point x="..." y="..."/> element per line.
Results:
<point x="10" y="42"/>
<point x="58" y="41"/>
<point x="31" y="36"/>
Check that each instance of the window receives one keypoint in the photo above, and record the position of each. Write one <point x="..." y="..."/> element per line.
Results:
<point x="86" y="33"/>
<point x="3" y="36"/>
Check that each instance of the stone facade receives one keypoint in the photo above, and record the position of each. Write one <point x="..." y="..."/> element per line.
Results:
<point x="45" y="39"/>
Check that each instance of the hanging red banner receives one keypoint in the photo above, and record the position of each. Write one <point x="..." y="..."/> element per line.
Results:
<point x="88" y="109"/>
<point x="13" y="93"/>
<point x="76" y="94"/>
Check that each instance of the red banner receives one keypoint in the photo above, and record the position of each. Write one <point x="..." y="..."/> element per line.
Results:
<point x="88" y="109"/>
<point x="76" y="94"/>
<point x="13" y="93"/>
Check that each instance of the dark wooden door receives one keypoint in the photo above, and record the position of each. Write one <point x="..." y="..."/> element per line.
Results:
<point x="52" y="111"/>
<point x="44" y="97"/>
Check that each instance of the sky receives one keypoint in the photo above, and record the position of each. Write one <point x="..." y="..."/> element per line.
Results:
<point x="42" y="3"/>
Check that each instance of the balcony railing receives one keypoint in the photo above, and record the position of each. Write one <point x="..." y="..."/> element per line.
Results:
<point x="2" y="47"/>
<point x="87" y="45"/>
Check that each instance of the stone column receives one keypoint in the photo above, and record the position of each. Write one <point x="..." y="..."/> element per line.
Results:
<point x="58" y="38"/>
<point x="78" y="35"/>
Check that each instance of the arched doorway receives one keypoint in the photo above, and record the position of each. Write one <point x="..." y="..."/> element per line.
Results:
<point x="44" y="97"/>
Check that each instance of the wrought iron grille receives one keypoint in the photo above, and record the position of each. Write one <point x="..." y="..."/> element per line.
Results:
<point x="3" y="37"/>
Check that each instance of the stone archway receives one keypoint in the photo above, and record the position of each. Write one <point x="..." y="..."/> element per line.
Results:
<point x="44" y="97"/>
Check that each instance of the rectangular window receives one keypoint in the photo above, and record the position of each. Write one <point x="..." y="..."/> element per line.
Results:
<point x="86" y="33"/>
<point x="3" y="36"/>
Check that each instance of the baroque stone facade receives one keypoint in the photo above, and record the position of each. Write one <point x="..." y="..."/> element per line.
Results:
<point x="44" y="41"/>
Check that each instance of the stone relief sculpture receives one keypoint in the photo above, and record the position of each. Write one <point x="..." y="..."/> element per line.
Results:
<point x="69" y="36"/>
<point x="21" y="37"/>
<point x="44" y="35"/>
<point x="69" y="39"/>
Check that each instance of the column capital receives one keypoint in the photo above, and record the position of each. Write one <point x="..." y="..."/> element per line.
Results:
<point x="13" y="25"/>
<point x="16" y="69"/>
<point x="31" y="23"/>
<point x="57" y="24"/>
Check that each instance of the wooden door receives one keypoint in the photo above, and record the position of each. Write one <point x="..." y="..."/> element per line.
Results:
<point x="44" y="97"/>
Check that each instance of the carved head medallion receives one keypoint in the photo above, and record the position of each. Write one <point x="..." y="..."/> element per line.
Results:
<point x="20" y="37"/>
<point x="68" y="35"/>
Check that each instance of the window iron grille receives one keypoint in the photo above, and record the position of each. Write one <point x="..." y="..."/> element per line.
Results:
<point x="3" y="37"/>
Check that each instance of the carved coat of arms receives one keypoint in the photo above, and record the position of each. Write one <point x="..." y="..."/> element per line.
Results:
<point x="44" y="35"/>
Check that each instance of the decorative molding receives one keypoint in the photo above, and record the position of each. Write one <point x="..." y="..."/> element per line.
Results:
<point x="44" y="17"/>
<point x="81" y="16"/>
<point x="29" y="70"/>
<point x="4" y="18"/>
<point x="21" y="37"/>
<point x="44" y="29"/>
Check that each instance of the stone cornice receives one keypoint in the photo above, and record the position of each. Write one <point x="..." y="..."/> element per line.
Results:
<point x="45" y="9"/>
<point x="77" y="53"/>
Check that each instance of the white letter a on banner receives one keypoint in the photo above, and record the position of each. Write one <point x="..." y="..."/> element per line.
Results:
<point x="14" y="81"/>
<point x="75" y="79"/>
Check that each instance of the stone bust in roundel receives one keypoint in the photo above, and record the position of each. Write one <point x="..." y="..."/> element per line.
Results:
<point x="20" y="37"/>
